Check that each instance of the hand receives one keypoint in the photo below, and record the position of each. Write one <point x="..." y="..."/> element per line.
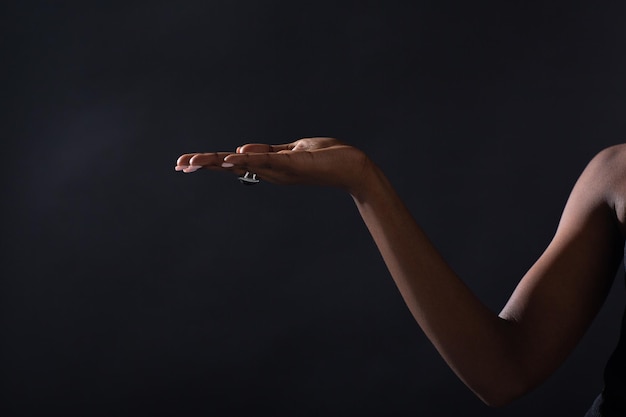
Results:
<point x="315" y="161"/>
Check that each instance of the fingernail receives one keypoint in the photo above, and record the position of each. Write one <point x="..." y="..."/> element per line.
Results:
<point x="227" y="165"/>
<point x="192" y="168"/>
<point x="180" y="167"/>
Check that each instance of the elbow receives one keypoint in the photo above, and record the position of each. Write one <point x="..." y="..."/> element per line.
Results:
<point x="500" y="382"/>
<point x="497" y="401"/>
<point x="499" y="393"/>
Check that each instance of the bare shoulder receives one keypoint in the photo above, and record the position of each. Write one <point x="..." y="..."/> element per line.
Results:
<point x="613" y="153"/>
<point x="608" y="173"/>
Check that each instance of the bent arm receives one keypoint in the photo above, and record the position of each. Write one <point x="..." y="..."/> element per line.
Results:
<point x="501" y="357"/>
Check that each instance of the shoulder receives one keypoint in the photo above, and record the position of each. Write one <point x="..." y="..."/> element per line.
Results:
<point x="611" y="162"/>
<point x="606" y="173"/>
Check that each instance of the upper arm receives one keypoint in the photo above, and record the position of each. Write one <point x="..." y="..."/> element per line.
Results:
<point x="559" y="296"/>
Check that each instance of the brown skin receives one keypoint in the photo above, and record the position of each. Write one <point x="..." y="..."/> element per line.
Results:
<point x="499" y="357"/>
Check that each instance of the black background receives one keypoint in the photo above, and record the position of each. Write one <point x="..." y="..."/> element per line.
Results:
<point x="130" y="289"/>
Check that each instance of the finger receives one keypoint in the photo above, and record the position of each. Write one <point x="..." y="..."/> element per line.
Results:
<point x="193" y="161"/>
<point x="183" y="160"/>
<point x="263" y="148"/>
<point x="279" y="161"/>
<point x="209" y="159"/>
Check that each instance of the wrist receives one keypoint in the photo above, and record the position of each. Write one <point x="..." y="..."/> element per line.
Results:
<point x="370" y="179"/>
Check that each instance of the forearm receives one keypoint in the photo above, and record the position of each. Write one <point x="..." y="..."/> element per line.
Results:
<point x="474" y="341"/>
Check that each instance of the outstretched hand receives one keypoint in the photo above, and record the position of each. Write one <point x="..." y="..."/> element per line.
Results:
<point x="315" y="161"/>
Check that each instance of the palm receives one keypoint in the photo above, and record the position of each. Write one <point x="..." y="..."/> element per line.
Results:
<point x="318" y="161"/>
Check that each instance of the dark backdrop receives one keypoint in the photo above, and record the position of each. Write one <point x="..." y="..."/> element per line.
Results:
<point x="129" y="289"/>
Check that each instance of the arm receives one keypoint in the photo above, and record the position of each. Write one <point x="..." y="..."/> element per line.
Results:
<point x="501" y="356"/>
